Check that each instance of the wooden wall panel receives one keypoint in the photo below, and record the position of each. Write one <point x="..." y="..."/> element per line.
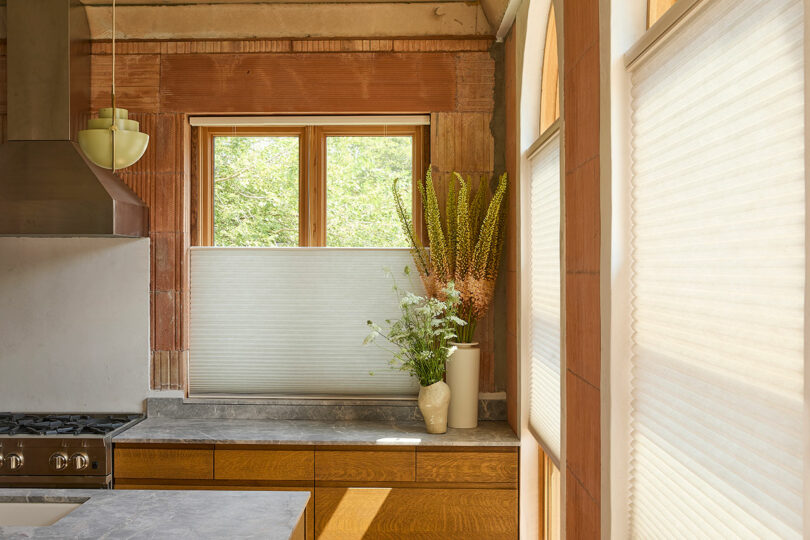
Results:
<point x="308" y="83"/>
<point x="161" y="82"/>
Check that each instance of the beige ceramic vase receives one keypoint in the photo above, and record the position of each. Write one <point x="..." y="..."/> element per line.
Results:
<point x="433" y="402"/>
<point x="462" y="377"/>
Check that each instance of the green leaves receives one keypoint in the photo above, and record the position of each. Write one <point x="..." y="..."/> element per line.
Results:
<point x="438" y="246"/>
<point x="421" y="336"/>
<point x="484" y="264"/>
<point x="417" y="250"/>
<point x="256" y="191"/>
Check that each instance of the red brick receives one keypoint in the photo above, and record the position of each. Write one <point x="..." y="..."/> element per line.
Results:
<point x="165" y="210"/>
<point x="165" y="319"/>
<point x="165" y="264"/>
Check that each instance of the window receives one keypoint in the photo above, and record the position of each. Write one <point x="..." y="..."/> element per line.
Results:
<point x="715" y="336"/>
<point x="550" y="506"/>
<point x="656" y="8"/>
<point x="307" y="185"/>
<point x="550" y="85"/>
<point x="544" y="300"/>
<point x="541" y="331"/>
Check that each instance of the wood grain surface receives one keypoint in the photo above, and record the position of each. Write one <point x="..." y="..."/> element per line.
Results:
<point x="365" y="465"/>
<point x="467" y="466"/>
<point x="385" y="513"/>
<point x="177" y="463"/>
<point x="264" y="464"/>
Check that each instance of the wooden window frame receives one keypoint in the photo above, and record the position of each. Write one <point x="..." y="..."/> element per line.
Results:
<point x="657" y="8"/>
<point x="312" y="221"/>
<point x="550" y="75"/>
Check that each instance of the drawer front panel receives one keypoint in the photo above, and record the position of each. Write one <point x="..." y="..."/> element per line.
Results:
<point x="171" y="463"/>
<point x="396" y="513"/>
<point x="466" y="466"/>
<point x="273" y="465"/>
<point x="365" y="465"/>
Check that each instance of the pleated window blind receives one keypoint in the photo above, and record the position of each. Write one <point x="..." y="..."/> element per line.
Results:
<point x="276" y="321"/>
<point x="718" y="266"/>
<point x="544" y="263"/>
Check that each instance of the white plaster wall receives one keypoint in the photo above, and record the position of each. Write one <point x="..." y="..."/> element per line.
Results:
<point x="74" y="324"/>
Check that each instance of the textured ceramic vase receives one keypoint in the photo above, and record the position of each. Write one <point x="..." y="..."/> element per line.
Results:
<point x="433" y="402"/>
<point x="462" y="377"/>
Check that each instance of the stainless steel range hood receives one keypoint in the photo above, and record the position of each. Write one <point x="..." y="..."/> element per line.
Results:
<point x="47" y="186"/>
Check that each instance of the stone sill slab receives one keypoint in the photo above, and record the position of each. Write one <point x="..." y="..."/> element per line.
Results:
<point x="166" y="430"/>
<point x="379" y="410"/>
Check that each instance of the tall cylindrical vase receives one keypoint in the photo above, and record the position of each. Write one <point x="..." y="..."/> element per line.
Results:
<point x="462" y="378"/>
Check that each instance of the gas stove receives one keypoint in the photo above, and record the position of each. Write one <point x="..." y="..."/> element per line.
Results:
<point x="59" y="450"/>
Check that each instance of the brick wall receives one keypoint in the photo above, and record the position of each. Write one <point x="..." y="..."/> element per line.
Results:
<point x="162" y="82"/>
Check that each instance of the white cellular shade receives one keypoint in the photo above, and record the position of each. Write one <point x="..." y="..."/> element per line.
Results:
<point x="718" y="266"/>
<point x="291" y="321"/>
<point x="544" y="310"/>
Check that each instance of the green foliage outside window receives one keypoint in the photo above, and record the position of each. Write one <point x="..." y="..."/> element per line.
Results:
<point x="256" y="191"/>
<point x="359" y="174"/>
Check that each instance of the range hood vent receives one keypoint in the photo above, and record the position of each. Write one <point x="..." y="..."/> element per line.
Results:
<point x="47" y="186"/>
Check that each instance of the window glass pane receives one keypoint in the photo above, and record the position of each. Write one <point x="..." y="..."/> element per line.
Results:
<point x="256" y="191"/>
<point x="552" y="499"/>
<point x="360" y="209"/>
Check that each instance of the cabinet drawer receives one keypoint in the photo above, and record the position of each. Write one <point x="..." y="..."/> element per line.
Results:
<point x="395" y="513"/>
<point x="186" y="463"/>
<point x="467" y="466"/>
<point x="264" y="464"/>
<point x="396" y="465"/>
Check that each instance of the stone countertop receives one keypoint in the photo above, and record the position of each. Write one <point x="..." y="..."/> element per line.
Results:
<point x="144" y="514"/>
<point x="311" y="432"/>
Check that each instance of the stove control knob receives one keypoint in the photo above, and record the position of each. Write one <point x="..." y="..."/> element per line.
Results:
<point x="79" y="461"/>
<point x="59" y="461"/>
<point x="15" y="462"/>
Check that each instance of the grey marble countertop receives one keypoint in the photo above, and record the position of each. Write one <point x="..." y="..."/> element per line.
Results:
<point x="134" y="514"/>
<point x="311" y="432"/>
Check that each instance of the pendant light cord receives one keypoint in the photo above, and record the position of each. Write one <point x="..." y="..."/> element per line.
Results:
<point x="113" y="126"/>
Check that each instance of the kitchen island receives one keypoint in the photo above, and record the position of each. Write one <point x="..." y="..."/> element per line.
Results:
<point x="161" y="514"/>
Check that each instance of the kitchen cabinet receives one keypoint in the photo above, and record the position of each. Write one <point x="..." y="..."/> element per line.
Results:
<point x="362" y="491"/>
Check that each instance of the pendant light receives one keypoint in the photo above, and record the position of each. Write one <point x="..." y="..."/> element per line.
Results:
<point x="112" y="140"/>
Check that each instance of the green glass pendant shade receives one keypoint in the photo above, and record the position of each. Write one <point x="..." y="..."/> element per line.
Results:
<point x="97" y="141"/>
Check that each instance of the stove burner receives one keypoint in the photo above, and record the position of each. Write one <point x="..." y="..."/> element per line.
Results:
<point x="61" y="424"/>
